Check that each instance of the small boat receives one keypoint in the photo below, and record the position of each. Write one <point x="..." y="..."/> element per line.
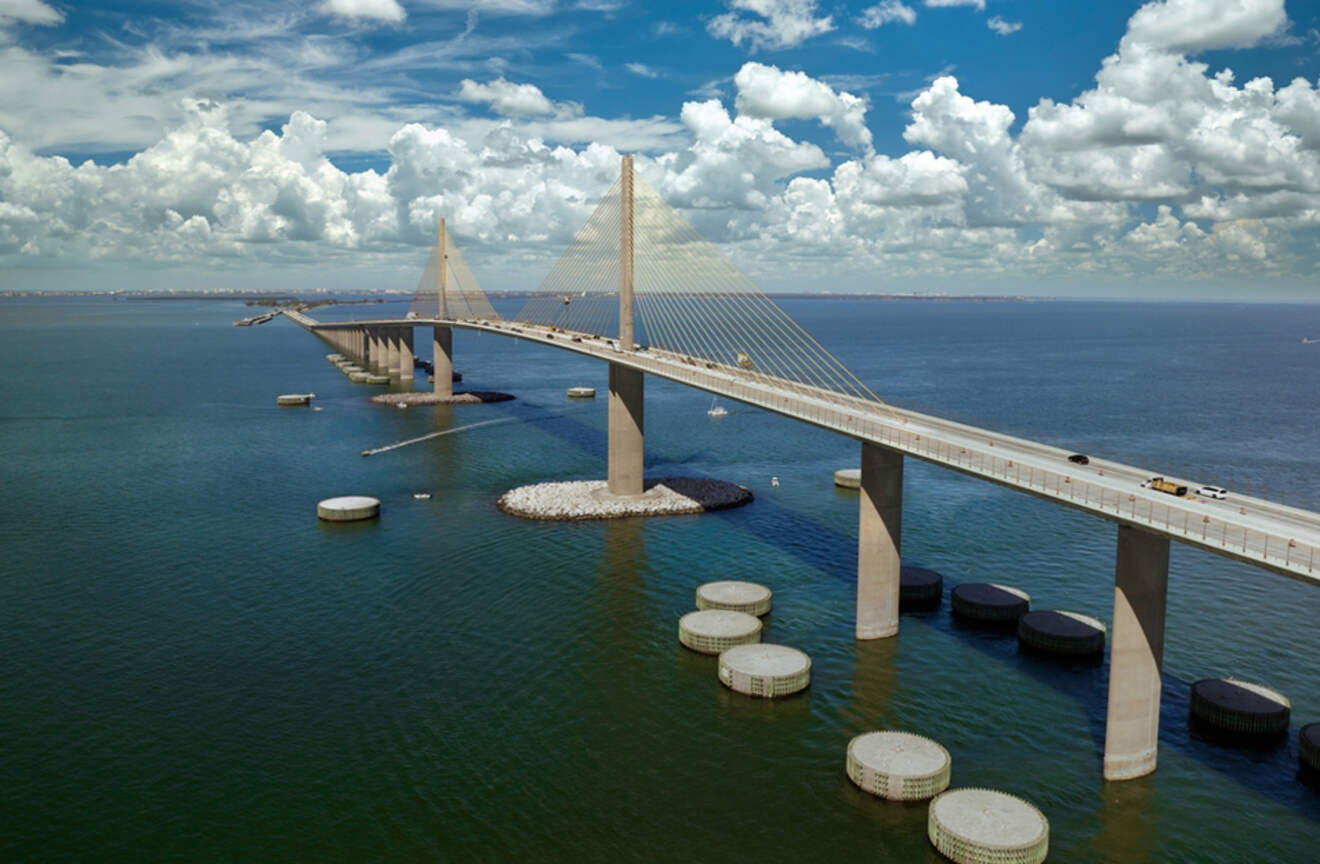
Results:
<point x="715" y="409"/>
<point x="422" y="496"/>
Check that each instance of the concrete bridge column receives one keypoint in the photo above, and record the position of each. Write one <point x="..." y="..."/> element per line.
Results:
<point x="1136" y="654"/>
<point x="391" y="337"/>
<point x="376" y="351"/>
<point x="879" y="528"/>
<point x="406" y="367"/>
<point x="442" y="359"/>
<point x="626" y="454"/>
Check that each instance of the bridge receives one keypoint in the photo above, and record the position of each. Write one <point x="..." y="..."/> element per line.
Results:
<point x="707" y="327"/>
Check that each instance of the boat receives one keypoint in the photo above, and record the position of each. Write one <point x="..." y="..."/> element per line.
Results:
<point x="715" y="409"/>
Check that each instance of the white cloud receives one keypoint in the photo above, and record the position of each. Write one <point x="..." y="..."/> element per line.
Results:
<point x="979" y="5"/>
<point x="377" y="10"/>
<point x="588" y="60"/>
<point x="1232" y="169"/>
<point x="886" y="12"/>
<point x="786" y="23"/>
<point x="1193" y="26"/>
<point x="766" y="91"/>
<point x="534" y="8"/>
<point x="1159" y="127"/>
<point x="29" y="12"/>
<point x="1002" y="27"/>
<point x="505" y="97"/>
<point x="641" y="69"/>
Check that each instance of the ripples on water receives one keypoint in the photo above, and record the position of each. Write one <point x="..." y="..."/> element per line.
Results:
<point x="195" y="668"/>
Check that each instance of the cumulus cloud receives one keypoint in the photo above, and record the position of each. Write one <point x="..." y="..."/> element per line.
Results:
<point x="1002" y="27"/>
<point x="376" y="10"/>
<point x="1193" y="26"/>
<point x="766" y="91"/>
<point x="783" y="24"/>
<point x="886" y="12"/>
<point x="505" y="97"/>
<point x="29" y="12"/>
<point x="1163" y="168"/>
<point x="1158" y="126"/>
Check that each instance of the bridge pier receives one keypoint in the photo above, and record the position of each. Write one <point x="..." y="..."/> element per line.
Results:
<point x="393" y="346"/>
<point x="442" y="359"/>
<point x="1136" y="654"/>
<point x="376" y="350"/>
<point x="406" y="373"/>
<point x="626" y="454"/>
<point x="879" y="529"/>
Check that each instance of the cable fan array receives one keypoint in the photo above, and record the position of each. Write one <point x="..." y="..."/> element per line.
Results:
<point x="463" y="295"/>
<point x="690" y="301"/>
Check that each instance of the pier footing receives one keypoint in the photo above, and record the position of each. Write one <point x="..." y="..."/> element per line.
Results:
<point x="421" y="397"/>
<point x="591" y="499"/>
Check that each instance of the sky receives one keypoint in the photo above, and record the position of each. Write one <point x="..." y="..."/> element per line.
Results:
<point x="1111" y="149"/>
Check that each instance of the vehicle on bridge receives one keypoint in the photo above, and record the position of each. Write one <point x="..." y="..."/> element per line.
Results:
<point x="1079" y="459"/>
<point x="1159" y="484"/>
<point x="1216" y="492"/>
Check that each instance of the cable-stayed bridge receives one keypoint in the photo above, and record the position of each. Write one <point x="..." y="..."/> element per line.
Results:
<point x="640" y="289"/>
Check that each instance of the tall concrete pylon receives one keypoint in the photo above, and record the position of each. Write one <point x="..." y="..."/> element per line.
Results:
<point x="442" y="336"/>
<point x="626" y="454"/>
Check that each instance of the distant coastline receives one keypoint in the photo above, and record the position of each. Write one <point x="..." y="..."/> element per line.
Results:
<point x="381" y="296"/>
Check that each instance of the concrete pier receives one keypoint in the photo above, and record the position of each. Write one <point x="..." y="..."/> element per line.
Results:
<point x="442" y="359"/>
<point x="626" y="421"/>
<point x="394" y="350"/>
<point x="879" y="526"/>
<point x="376" y="351"/>
<point x="406" y="367"/>
<point x="1136" y="654"/>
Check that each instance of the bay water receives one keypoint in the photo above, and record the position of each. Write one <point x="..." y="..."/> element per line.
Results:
<point x="195" y="668"/>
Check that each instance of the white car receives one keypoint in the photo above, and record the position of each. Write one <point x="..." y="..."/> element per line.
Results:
<point x="1212" y="492"/>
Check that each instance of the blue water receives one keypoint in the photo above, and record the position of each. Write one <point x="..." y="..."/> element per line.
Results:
<point x="195" y="668"/>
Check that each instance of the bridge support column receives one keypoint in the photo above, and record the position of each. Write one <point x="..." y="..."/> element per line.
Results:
<point x="1136" y="654"/>
<point x="626" y="454"/>
<point x="442" y="359"/>
<point x="879" y="528"/>
<point x="376" y="352"/>
<point x="391" y="337"/>
<point x="406" y="374"/>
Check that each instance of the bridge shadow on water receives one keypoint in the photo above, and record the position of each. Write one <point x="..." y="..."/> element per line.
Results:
<point x="1270" y="769"/>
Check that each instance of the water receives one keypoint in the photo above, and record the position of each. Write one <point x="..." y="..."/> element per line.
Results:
<point x="196" y="668"/>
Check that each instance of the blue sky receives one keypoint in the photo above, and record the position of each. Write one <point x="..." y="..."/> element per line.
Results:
<point x="958" y="146"/>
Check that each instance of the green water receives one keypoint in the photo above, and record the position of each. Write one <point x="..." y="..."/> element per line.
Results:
<point x="195" y="668"/>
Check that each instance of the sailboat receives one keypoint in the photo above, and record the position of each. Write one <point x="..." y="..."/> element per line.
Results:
<point x="716" y="410"/>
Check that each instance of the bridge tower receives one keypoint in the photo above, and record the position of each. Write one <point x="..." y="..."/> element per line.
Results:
<point x="626" y="455"/>
<point x="442" y="335"/>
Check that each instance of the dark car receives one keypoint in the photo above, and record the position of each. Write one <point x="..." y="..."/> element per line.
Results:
<point x="1079" y="459"/>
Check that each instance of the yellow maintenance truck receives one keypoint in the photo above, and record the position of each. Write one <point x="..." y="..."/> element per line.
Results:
<point x="1159" y="484"/>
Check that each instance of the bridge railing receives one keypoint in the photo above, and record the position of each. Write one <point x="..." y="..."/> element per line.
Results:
<point x="877" y="423"/>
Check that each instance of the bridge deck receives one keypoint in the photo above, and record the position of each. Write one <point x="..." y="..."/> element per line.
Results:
<point x="1259" y="532"/>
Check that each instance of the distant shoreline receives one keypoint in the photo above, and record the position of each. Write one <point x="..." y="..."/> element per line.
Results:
<point x="381" y="296"/>
<point x="260" y="298"/>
